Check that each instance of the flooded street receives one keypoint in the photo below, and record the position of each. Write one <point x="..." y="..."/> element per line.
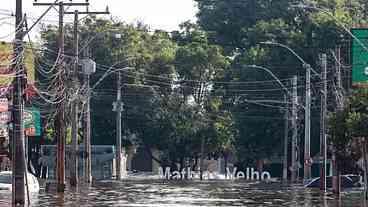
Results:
<point x="191" y="194"/>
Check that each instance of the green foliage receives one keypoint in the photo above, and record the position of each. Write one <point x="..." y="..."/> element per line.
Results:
<point x="177" y="96"/>
<point x="338" y="128"/>
<point x="239" y="27"/>
<point x="348" y="127"/>
<point x="159" y="111"/>
<point x="358" y="115"/>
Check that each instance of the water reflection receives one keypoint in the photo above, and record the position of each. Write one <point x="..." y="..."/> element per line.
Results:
<point x="191" y="194"/>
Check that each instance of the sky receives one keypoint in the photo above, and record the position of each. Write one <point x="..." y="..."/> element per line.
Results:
<point x="158" y="14"/>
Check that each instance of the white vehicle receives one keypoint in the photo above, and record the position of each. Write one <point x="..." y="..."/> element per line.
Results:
<point x="6" y="182"/>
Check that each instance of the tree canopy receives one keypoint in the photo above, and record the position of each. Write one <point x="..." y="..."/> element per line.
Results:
<point x="196" y="83"/>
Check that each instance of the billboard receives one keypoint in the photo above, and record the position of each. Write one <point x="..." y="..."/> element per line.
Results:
<point x="4" y="104"/>
<point x="359" y="58"/>
<point x="32" y="122"/>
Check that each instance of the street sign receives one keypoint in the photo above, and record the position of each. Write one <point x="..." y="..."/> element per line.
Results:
<point x="359" y="58"/>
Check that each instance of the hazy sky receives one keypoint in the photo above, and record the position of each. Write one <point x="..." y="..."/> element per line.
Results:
<point x="159" y="14"/>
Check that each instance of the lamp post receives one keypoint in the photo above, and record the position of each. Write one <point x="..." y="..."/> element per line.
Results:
<point x="287" y="93"/>
<point x="118" y="116"/>
<point x="273" y="76"/>
<point x="308" y="70"/>
<point x="118" y="108"/>
<point x="325" y="11"/>
<point x="110" y="71"/>
<point x="335" y="177"/>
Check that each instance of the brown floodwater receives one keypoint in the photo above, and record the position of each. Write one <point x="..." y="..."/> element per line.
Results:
<point x="156" y="193"/>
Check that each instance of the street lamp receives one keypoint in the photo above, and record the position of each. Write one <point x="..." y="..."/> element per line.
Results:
<point x="112" y="70"/>
<point x="287" y="93"/>
<point x="118" y="107"/>
<point x="308" y="68"/>
<point x="325" y="11"/>
<point x="273" y="76"/>
<point x="305" y="64"/>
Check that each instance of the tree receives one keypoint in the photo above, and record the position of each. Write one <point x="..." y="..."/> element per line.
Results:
<point x="340" y="138"/>
<point x="358" y="126"/>
<point x="239" y="27"/>
<point x="148" y="54"/>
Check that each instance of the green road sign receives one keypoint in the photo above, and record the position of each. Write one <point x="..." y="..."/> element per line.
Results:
<point x="360" y="58"/>
<point x="32" y="122"/>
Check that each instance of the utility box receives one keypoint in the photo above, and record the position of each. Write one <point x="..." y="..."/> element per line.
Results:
<point x="88" y="66"/>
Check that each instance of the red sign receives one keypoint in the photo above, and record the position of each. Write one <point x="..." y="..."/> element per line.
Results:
<point x="30" y="91"/>
<point x="4" y="104"/>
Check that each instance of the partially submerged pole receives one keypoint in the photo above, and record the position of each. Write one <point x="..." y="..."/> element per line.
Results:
<point x="18" y="158"/>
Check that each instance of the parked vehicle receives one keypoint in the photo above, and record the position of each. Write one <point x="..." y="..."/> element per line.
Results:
<point x="347" y="181"/>
<point x="6" y="182"/>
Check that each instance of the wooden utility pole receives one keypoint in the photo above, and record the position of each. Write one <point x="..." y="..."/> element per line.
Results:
<point x="286" y="142"/>
<point x="18" y="159"/>
<point x="323" y="137"/>
<point x="60" y="117"/>
<point x="294" y="115"/>
<point x="87" y="129"/>
<point x="75" y="103"/>
<point x="60" y="121"/>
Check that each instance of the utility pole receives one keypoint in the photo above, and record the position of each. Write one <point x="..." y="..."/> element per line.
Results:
<point x="74" y="105"/>
<point x="88" y="67"/>
<point x="87" y="132"/>
<point x="340" y="107"/>
<point x="59" y="123"/>
<point x="87" y="128"/>
<point x="60" y="117"/>
<point x="201" y="164"/>
<point x="323" y="138"/>
<point x="119" y="108"/>
<point x="307" y="158"/>
<point x="18" y="159"/>
<point x="286" y="142"/>
<point x="338" y="74"/>
<point x="294" y="115"/>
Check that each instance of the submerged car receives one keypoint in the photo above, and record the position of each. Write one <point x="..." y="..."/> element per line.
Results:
<point x="6" y="182"/>
<point x="347" y="181"/>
